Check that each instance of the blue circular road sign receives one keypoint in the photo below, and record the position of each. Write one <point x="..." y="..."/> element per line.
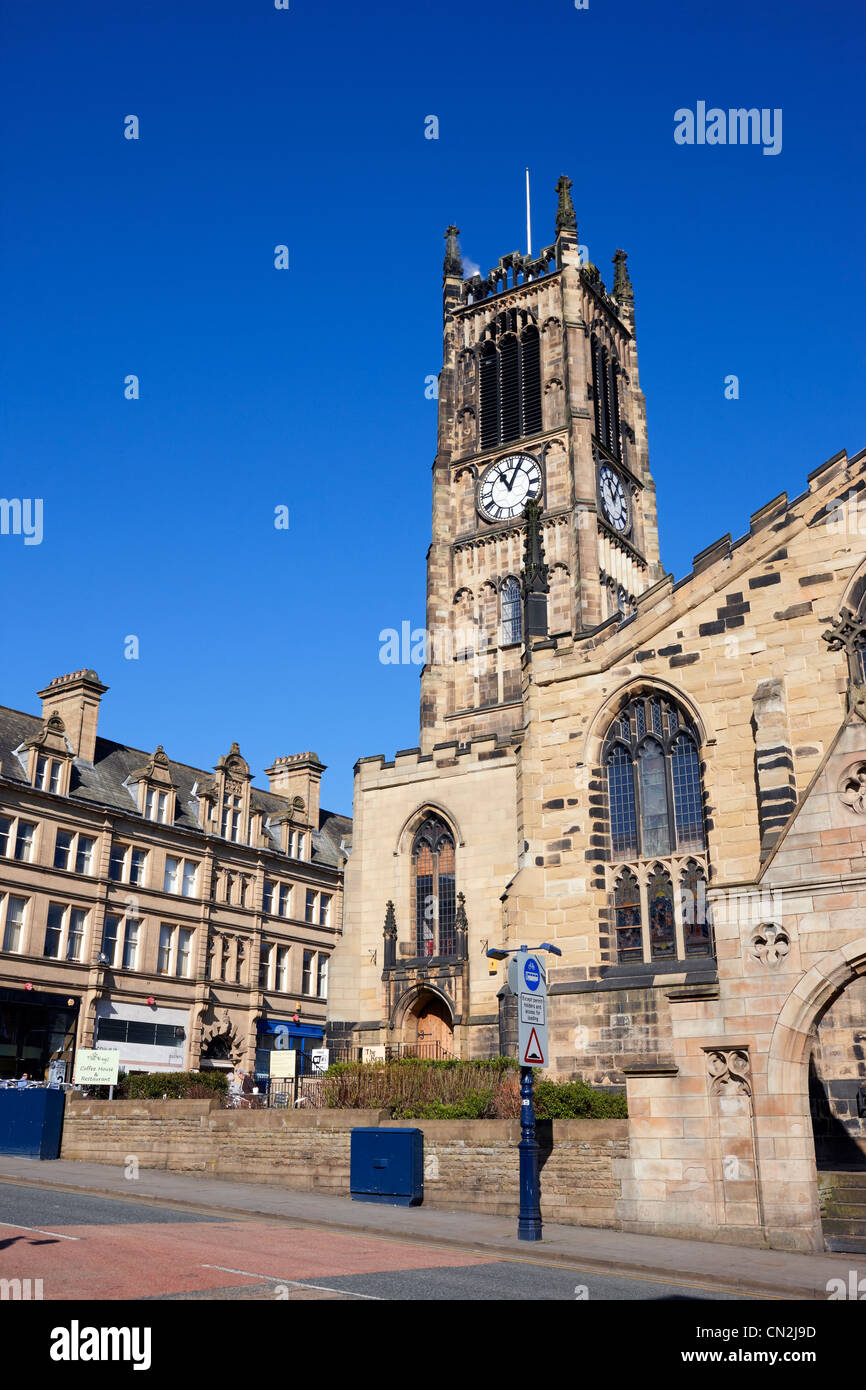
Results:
<point x="532" y="974"/>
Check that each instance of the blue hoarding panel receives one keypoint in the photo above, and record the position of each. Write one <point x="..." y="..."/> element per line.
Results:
<point x="387" y="1165"/>
<point x="31" y="1122"/>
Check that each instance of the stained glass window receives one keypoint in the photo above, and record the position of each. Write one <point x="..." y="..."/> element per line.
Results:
<point x="663" y="943"/>
<point x="629" y="943"/>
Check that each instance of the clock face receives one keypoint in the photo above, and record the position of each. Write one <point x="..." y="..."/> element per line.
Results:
<point x="507" y="485"/>
<point x="613" y="499"/>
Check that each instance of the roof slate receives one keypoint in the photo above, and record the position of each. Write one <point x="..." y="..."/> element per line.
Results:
<point x="101" y="783"/>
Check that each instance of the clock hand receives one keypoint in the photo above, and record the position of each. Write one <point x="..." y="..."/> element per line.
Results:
<point x="513" y="476"/>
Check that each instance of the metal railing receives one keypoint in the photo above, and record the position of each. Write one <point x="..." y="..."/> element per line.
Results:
<point x="432" y="1052"/>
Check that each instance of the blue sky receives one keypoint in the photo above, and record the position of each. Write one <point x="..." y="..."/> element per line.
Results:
<point x="305" y="387"/>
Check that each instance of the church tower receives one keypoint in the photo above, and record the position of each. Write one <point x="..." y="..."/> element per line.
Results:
<point x="539" y="398"/>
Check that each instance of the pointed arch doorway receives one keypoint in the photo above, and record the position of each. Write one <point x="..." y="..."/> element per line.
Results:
<point x="428" y="1026"/>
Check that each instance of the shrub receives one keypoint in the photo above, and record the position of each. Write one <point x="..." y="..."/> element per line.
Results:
<point x="418" y="1088"/>
<point x="474" y="1105"/>
<point x="568" y="1100"/>
<point x="176" y="1085"/>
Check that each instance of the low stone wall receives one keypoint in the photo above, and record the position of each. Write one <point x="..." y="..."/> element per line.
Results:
<point x="470" y="1164"/>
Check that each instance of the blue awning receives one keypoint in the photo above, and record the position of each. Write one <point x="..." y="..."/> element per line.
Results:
<point x="294" y="1030"/>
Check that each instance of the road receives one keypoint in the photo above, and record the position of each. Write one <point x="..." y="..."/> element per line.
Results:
<point x="86" y="1247"/>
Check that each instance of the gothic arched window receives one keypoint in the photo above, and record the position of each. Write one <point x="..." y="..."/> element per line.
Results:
<point x="509" y="379"/>
<point x="434" y="889"/>
<point x="510" y="611"/>
<point x="655" y="805"/>
<point x="605" y="391"/>
<point x="654" y="781"/>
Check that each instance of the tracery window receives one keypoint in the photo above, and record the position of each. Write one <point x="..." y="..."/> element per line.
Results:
<point x="511" y="615"/>
<point x="509" y="379"/>
<point x="434" y="889"/>
<point x="657" y="871"/>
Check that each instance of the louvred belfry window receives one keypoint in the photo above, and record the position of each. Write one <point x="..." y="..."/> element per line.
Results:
<point x="605" y="392"/>
<point x="509" y="378"/>
<point x="434" y="889"/>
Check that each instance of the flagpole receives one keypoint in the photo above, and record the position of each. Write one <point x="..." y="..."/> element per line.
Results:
<point x="528" y="221"/>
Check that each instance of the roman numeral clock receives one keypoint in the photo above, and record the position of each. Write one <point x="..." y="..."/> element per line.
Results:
<point x="507" y="485"/>
<point x="614" y="500"/>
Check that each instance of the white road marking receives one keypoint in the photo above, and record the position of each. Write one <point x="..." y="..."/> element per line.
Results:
<point x="296" y="1283"/>
<point x="38" y="1230"/>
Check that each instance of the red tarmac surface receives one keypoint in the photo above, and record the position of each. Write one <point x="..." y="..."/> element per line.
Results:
<point x="144" y="1260"/>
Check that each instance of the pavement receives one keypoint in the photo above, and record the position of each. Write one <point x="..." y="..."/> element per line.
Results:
<point x="728" y="1269"/>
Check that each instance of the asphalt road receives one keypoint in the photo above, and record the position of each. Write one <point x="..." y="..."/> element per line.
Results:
<point x="86" y="1247"/>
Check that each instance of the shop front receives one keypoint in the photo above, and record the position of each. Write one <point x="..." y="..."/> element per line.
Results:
<point x="280" y="1035"/>
<point x="37" y="1030"/>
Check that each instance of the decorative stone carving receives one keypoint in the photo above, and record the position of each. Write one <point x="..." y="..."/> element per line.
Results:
<point x="729" y="1072"/>
<point x="769" y="944"/>
<point x="219" y="1038"/>
<point x="566" y="220"/>
<point x="453" y="260"/>
<point x="852" y="788"/>
<point x="467" y="427"/>
<point x="390" y="935"/>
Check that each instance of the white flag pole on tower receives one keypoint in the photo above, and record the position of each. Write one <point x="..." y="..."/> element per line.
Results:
<point x="528" y="220"/>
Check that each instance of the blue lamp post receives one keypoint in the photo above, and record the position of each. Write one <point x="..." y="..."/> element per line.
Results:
<point x="529" y="1219"/>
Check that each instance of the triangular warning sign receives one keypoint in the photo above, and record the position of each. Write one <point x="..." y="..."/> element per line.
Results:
<point x="533" y="1051"/>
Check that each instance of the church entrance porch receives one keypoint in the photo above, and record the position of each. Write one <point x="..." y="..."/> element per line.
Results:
<point x="428" y="1029"/>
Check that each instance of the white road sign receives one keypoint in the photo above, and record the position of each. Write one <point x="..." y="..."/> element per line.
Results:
<point x="527" y="978"/>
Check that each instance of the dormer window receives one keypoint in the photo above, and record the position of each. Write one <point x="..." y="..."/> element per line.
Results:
<point x="46" y="758"/>
<point x="155" y="788"/>
<point x="156" y="805"/>
<point x="48" y="772"/>
<point x="231" y="821"/>
<point x="229" y="795"/>
<point x="297" y="844"/>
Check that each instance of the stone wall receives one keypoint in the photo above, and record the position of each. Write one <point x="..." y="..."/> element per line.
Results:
<point x="469" y="1164"/>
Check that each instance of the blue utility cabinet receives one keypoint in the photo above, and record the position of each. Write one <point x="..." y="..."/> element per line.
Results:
<point x="31" y="1122"/>
<point x="387" y="1166"/>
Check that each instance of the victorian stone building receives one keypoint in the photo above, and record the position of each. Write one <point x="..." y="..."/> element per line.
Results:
<point x="182" y="916"/>
<point x="666" y="779"/>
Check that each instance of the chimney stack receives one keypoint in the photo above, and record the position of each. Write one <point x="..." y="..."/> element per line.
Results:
<point x="76" y="699"/>
<point x="299" y="774"/>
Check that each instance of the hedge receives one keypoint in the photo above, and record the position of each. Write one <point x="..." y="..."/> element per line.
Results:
<point x="176" y="1085"/>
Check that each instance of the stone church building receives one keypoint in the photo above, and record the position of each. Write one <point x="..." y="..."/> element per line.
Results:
<point x="665" y="779"/>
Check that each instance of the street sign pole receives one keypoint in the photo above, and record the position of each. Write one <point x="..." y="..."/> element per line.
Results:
<point x="529" y="1220"/>
<point x="527" y="979"/>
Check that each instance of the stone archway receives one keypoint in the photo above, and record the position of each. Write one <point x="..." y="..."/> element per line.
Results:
<point x="791" y="1207"/>
<point x="428" y="1024"/>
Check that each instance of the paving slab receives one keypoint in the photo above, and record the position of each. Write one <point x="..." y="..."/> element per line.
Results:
<point x="776" y="1273"/>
